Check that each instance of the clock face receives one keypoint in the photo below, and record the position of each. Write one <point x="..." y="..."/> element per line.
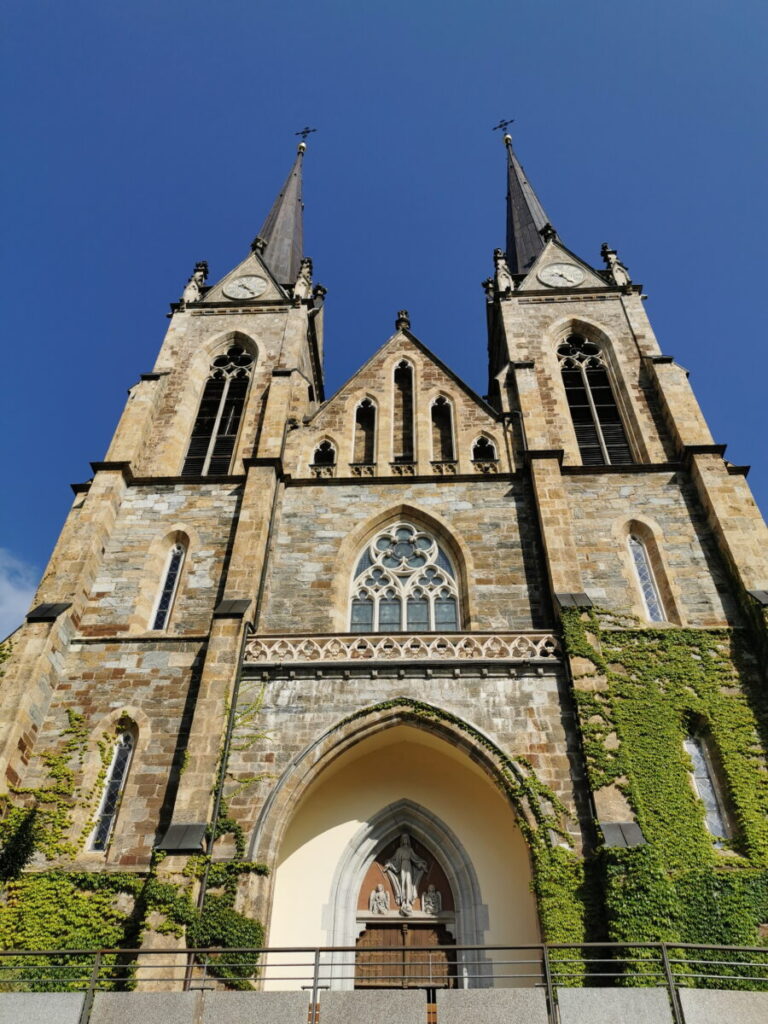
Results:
<point x="250" y="286"/>
<point x="561" y="275"/>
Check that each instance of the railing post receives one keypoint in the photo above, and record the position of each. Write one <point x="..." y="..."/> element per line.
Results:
<point x="551" y="1005"/>
<point x="85" y="1013"/>
<point x="677" y="1010"/>
<point x="315" y="986"/>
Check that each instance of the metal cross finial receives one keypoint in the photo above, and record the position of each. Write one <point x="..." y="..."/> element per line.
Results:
<point x="502" y="125"/>
<point x="305" y="132"/>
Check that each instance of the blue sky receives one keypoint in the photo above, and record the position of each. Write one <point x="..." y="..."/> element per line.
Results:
<point x="146" y="136"/>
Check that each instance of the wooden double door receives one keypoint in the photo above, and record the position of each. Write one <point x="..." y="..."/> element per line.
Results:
<point x="414" y="962"/>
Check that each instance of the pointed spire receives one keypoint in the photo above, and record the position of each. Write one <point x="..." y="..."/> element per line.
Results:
<point x="281" y="239"/>
<point x="525" y="216"/>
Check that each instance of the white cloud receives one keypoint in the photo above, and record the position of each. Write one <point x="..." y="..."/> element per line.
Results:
<point x="18" y="581"/>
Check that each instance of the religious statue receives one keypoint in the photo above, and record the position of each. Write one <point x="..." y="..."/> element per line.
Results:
<point x="303" y="287"/>
<point x="431" y="900"/>
<point x="405" y="870"/>
<point x="618" y="272"/>
<point x="503" y="279"/>
<point x="378" y="901"/>
<point x="193" y="291"/>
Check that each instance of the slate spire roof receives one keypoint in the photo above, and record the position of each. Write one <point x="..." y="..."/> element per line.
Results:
<point x="525" y="216"/>
<point x="283" y="231"/>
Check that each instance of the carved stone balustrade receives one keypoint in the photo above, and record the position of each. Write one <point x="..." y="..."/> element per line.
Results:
<point x="357" y="647"/>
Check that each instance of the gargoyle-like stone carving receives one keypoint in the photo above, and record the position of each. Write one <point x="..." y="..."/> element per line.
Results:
<point x="193" y="291"/>
<point x="502" y="277"/>
<point x="303" y="287"/>
<point x="616" y="269"/>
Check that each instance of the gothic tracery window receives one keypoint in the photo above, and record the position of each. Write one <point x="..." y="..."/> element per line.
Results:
<point x="218" y="419"/>
<point x="113" y="789"/>
<point x="325" y="454"/>
<point x="169" y="588"/>
<point x="596" y="419"/>
<point x="483" y="450"/>
<point x="654" y="606"/>
<point x="404" y="581"/>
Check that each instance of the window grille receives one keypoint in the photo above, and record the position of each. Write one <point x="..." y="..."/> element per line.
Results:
<point x="403" y="425"/>
<point x="442" y="430"/>
<point x="596" y="419"/>
<point x="113" y="789"/>
<point x="654" y="607"/>
<point x="365" y="432"/>
<point x="218" y="419"/>
<point x="170" y="586"/>
<point x="404" y="582"/>
<point x="704" y="782"/>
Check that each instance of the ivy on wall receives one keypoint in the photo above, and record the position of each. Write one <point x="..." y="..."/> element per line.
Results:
<point x="639" y="692"/>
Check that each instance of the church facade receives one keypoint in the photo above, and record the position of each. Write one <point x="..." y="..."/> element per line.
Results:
<point x="404" y="664"/>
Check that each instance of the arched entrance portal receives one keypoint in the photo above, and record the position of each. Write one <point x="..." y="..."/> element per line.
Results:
<point x="402" y="779"/>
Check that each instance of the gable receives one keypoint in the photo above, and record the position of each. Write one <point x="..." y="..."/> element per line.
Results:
<point x="557" y="267"/>
<point x="239" y="281"/>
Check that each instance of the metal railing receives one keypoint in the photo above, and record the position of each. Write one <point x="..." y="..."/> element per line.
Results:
<point x="550" y="967"/>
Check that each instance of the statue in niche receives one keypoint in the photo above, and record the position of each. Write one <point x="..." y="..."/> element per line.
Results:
<point x="303" y="287"/>
<point x="405" y="870"/>
<point x="431" y="900"/>
<point x="503" y="279"/>
<point x="378" y="902"/>
<point x="193" y="291"/>
<point x="618" y="272"/>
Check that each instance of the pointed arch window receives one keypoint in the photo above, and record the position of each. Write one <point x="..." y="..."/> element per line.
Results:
<point x="706" y="784"/>
<point x="113" y="791"/>
<point x="654" y="606"/>
<point x="596" y="419"/>
<point x="325" y="454"/>
<point x="483" y="450"/>
<point x="404" y="581"/>
<point x="218" y="419"/>
<point x="442" y="430"/>
<point x="403" y="419"/>
<point x="365" y="433"/>
<point x="170" y="586"/>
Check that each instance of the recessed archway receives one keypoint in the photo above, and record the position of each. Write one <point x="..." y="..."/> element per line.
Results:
<point x="402" y="778"/>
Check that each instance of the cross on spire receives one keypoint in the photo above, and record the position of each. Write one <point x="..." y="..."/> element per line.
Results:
<point x="503" y="125"/>
<point x="305" y="131"/>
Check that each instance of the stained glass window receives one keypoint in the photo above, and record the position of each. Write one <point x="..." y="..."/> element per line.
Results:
<point x="651" y="597"/>
<point x="596" y="419"/>
<point x="170" y="586"/>
<point x="113" y="788"/>
<point x="706" y="789"/>
<point x="404" y="582"/>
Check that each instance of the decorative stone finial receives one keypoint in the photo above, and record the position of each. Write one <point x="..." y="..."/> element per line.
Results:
<point x="259" y="244"/>
<point x="548" y="232"/>
<point x="303" y="287"/>
<point x="616" y="269"/>
<point x="502" y="276"/>
<point x="193" y="291"/>
<point x="403" y="321"/>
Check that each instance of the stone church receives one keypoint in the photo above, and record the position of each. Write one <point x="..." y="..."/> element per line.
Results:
<point x="402" y="665"/>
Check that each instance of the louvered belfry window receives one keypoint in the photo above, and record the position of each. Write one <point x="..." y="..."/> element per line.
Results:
<point x="218" y="419"/>
<point x="595" y="414"/>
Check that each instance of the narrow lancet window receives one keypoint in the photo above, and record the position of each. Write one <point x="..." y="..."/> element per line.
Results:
<point x="113" y="789"/>
<point x="404" y="581"/>
<point x="403" y="419"/>
<point x="365" y="433"/>
<point x="654" y="607"/>
<point x="218" y="419"/>
<point x="442" y="430"/>
<point x="704" y="781"/>
<point x="595" y="414"/>
<point x="169" y="588"/>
